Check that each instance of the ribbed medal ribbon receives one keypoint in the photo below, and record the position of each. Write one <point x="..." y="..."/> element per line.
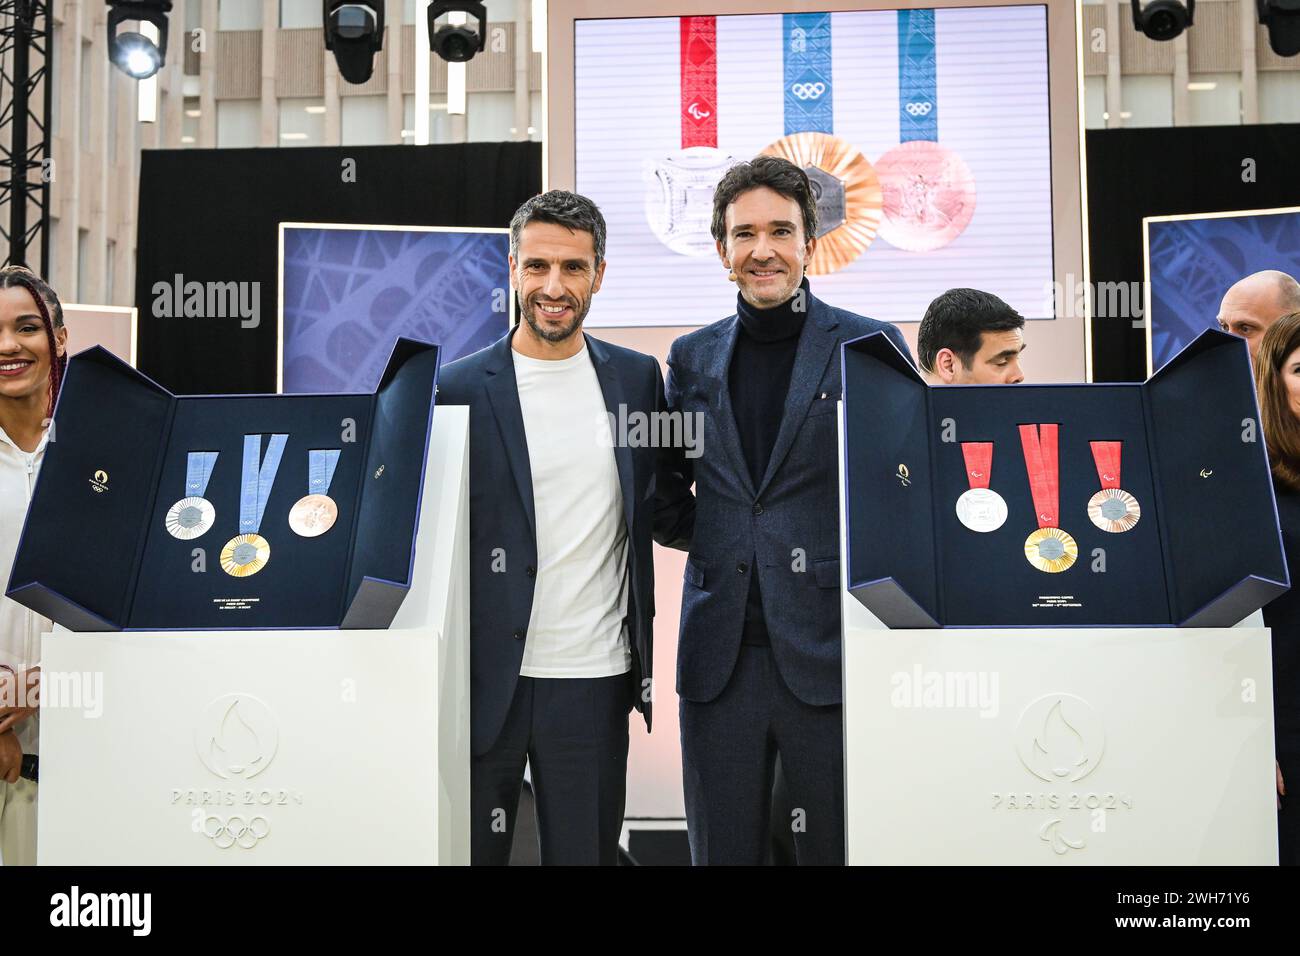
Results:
<point x="699" y="68"/>
<point x="257" y="481"/>
<point x="320" y="469"/>
<point x="1039" y="444"/>
<point x="1106" y="455"/>
<point x="979" y="462"/>
<point x="807" y="73"/>
<point x="198" y="471"/>
<point x="918" y="86"/>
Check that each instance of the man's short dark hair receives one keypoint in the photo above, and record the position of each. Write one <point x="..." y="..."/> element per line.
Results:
<point x="563" y="209"/>
<point x="779" y="175"/>
<point x="957" y="320"/>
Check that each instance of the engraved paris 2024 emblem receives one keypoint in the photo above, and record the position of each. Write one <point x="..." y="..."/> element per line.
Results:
<point x="236" y="737"/>
<point x="1060" y="739"/>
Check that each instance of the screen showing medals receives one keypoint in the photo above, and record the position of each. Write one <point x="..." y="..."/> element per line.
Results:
<point x="980" y="508"/>
<point x="316" y="512"/>
<point x="1049" y="548"/>
<point x="679" y="201"/>
<point x="929" y="191"/>
<point x="193" y="515"/>
<point x="1111" y="509"/>
<point x="248" y="552"/>
<point x="843" y="182"/>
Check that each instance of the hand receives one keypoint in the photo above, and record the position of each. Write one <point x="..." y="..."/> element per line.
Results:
<point x="11" y="757"/>
<point x="19" y="697"/>
<point x="1281" y="784"/>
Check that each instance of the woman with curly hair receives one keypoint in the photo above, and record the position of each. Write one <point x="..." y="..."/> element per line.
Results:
<point x="33" y="354"/>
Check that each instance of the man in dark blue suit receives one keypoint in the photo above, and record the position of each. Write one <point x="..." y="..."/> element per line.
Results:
<point x="563" y="505"/>
<point x="758" y="663"/>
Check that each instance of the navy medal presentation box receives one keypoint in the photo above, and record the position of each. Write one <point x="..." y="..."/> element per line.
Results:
<point x="1206" y="550"/>
<point x="96" y="553"/>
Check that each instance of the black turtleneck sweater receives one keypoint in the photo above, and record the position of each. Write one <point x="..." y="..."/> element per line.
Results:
<point x="759" y="379"/>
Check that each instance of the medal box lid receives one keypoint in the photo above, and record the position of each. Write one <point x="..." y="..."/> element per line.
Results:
<point x="1206" y="550"/>
<point x="95" y="552"/>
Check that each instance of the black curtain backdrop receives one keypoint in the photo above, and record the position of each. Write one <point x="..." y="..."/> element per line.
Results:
<point x="1134" y="173"/>
<point x="213" y="216"/>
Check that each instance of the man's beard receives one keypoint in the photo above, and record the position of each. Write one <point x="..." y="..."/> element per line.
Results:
<point x="767" y="298"/>
<point x="580" y="310"/>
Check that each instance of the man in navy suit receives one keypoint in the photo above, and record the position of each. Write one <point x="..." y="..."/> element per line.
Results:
<point x="758" y="662"/>
<point x="562" y="510"/>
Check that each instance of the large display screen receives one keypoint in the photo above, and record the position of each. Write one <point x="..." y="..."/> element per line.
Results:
<point x="925" y="133"/>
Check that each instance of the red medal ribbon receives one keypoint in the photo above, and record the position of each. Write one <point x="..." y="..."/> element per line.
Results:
<point x="979" y="462"/>
<point x="1039" y="444"/>
<point x="699" y="59"/>
<point x="1106" y="454"/>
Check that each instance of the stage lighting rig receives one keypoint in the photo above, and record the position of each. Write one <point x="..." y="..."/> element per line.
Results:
<point x="354" y="32"/>
<point x="1282" y="18"/>
<point x="457" y="40"/>
<point x="132" y="51"/>
<point x="1163" y="19"/>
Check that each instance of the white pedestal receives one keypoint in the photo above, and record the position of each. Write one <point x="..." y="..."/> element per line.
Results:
<point x="1057" y="746"/>
<point x="274" y="747"/>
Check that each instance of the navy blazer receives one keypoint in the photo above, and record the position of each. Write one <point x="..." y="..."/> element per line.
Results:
<point x="785" y="530"/>
<point x="503" y="523"/>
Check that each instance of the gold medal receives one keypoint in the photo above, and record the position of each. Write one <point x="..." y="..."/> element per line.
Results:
<point x="1051" y="550"/>
<point x="313" y="515"/>
<point x="847" y="191"/>
<point x="245" y="554"/>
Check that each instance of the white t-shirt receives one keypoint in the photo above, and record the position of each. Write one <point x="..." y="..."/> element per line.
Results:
<point x="580" y="593"/>
<point x="20" y="628"/>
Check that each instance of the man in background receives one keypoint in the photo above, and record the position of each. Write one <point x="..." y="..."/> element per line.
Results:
<point x="1254" y="303"/>
<point x="969" y="337"/>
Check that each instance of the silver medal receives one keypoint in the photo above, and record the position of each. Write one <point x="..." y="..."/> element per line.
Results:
<point x="679" y="200"/>
<point x="981" y="509"/>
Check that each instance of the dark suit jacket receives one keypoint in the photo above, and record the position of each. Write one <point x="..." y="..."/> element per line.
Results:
<point x="502" y="516"/>
<point x="785" y="530"/>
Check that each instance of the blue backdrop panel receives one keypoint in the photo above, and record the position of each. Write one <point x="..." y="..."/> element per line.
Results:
<point x="349" y="294"/>
<point x="1194" y="261"/>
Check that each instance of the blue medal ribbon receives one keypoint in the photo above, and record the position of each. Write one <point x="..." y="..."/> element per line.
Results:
<point x="198" y="470"/>
<point x="320" y="470"/>
<point x="918" y="85"/>
<point x="257" y="481"/>
<point x="807" y="73"/>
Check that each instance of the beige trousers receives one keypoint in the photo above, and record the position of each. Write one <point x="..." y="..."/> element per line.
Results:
<point x="18" y="823"/>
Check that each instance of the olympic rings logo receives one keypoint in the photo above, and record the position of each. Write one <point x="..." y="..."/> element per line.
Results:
<point x="235" y="831"/>
<point x="808" y="91"/>
<point x="919" y="109"/>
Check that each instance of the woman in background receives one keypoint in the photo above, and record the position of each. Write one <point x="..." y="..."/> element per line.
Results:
<point x="33" y="354"/>
<point x="1277" y="380"/>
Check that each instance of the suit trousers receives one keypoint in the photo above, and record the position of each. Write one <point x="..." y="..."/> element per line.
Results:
<point x="573" y="734"/>
<point x="729" y="751"/>
<point x="18" y="823"/>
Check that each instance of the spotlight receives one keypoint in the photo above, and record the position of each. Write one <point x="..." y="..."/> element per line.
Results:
<point x="1282" y="17"/>
<point x="457" y="41"/>
<point x="354" y="32"/>
<point x="130" y="50"/>
<point x="1163" y="19"/>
